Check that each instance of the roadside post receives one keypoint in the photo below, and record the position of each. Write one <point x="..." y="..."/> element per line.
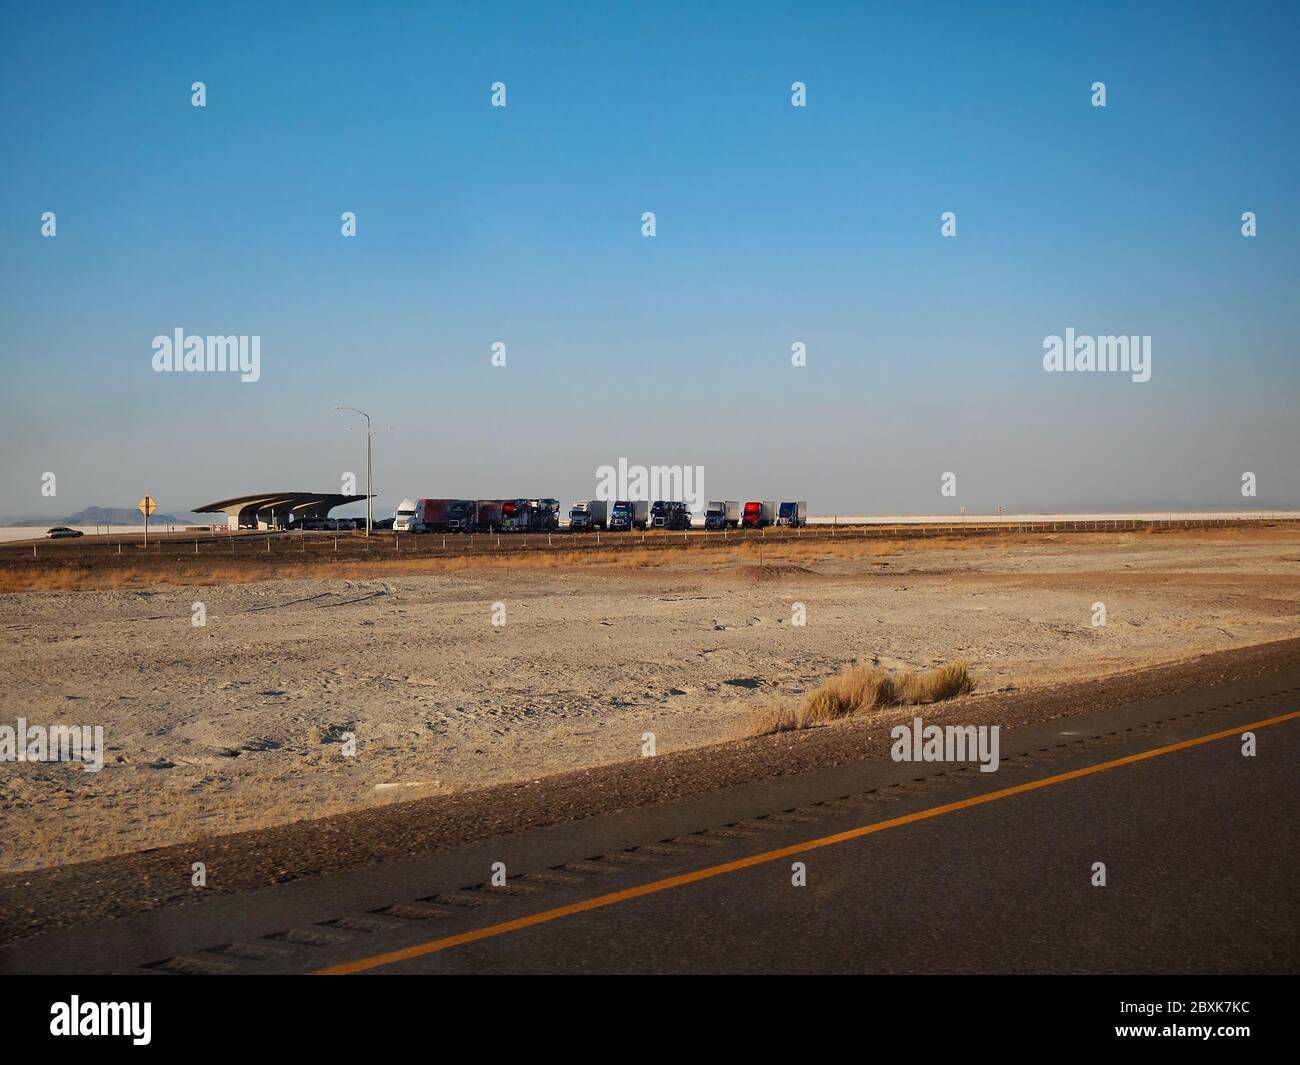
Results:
<point x="147" y="506"/>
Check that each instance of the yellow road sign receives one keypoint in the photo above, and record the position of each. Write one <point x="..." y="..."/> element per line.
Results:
<point x="147" y="506"/>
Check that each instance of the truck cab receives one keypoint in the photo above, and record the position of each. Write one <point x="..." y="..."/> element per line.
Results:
<point x="620" y="516"/>
<point x="666" y="514"/>
<point x="404" y="518"/>
<point x="722" y="514"/>
<point x="794" y="515"/>
<point x="579" y="516"/>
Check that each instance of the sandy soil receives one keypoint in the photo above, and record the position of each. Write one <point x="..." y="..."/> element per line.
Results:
<point x="237" y="724"/>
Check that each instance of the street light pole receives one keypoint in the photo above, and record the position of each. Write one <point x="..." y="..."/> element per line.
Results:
<point x="369" y="494"/>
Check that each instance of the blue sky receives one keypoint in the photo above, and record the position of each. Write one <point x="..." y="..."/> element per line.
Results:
<point x="775" y="224"/>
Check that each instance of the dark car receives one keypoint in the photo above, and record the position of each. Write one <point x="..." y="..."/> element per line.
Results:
<point x="60" y="531"/>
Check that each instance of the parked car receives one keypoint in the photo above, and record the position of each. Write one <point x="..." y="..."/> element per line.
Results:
<point x="60" y="531"/>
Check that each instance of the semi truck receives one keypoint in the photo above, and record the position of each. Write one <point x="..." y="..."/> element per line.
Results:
<point x="530" y="515"/>
<point x="579" y="516"/>
<point x="666" y="514"/>
<point x="793" y="515"/>
<point x="758" y="514"/>
<point x="422" y="515"/>
<point x="722" y="514"/>
<point x="621" y="515"/>
<point x="447" y="515"/>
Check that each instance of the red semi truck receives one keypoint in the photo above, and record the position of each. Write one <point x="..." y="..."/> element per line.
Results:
<point x="758" y="514"/>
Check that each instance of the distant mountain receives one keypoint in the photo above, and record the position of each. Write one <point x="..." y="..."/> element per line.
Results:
<point x="112" y="516"/>
<point x="122" y="516"/>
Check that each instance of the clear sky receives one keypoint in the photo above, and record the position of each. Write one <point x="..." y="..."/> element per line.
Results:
<point x="775" y="225"/>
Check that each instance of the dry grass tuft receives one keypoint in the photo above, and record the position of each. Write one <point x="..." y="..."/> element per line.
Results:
<point x="935" y="685"/>
<point x="767" y="722"/>
<point x="767" y="572"/>
<point x="862" y="689"/>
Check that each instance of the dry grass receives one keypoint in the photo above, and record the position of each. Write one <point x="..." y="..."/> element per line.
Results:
<point x="774" y="563"/>
<point x="135" y="575"/>
<point x="753" y="558"/>
<point x="862" y="689"/>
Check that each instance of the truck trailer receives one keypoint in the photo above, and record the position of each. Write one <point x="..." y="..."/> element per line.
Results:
<point x="530" y="515"/>
<point x="598" y="512"/>
<point x="722" y="514"/>
<point x="463" y="516"/>
<point x="487" y="515"/>
<point x="758" y="514"/>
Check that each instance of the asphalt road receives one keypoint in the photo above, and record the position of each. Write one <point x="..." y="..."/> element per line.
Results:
<point x="930" y="867"/>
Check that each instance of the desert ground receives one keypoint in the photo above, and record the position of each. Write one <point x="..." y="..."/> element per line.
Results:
<point x="241" y="722"/>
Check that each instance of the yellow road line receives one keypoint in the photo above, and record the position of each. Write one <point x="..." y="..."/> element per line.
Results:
<point x="546" y="916"/>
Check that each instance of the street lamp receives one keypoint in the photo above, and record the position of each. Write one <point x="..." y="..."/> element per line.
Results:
<point x="369" y="434"/>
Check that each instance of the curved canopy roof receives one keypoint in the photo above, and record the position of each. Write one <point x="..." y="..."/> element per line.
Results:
<point x="281" y="501"/>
